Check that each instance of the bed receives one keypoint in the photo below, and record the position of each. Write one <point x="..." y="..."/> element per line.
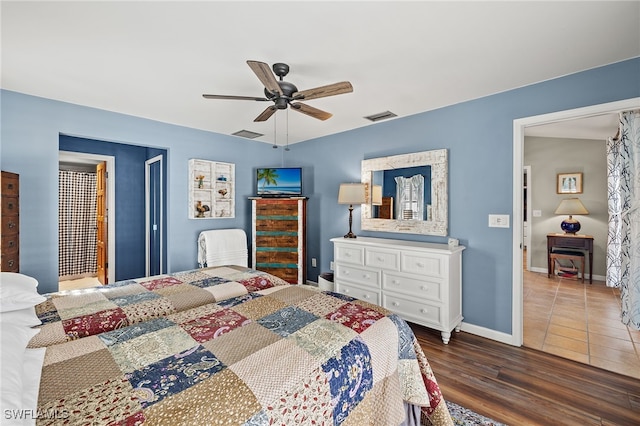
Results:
<point x="225" y="345"/>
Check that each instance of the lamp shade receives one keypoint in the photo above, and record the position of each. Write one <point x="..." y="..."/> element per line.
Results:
<point x="571" y="206"/>
<point x="352" y="193"/>
<point x="376" y="195"/>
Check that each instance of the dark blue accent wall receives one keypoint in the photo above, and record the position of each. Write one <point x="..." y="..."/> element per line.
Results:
<point x="129" y="198"/>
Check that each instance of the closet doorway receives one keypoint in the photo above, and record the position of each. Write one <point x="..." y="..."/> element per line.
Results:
<point x="91" y="212"/>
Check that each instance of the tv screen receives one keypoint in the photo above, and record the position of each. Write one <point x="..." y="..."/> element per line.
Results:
<point x="279" y="182"/>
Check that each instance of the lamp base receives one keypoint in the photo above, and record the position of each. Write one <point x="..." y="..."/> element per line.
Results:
<point x="570" y="226"/>
<point x="350" y="235"/>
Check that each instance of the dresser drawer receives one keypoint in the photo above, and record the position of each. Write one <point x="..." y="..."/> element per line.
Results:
<point x="10" y="262"/>
<point x="10" y="205"/>
<point x="381" y="258"/>
<point x="368" y="295"/>
<point x="423" y="264"/>
<point x="9" y="185"/>
<point x="360" y="276"/>
<point x="349" y="254"/>
<point x="412" y="310"/>
<point x="414" y="287"/>
<point x="10" y="225"/>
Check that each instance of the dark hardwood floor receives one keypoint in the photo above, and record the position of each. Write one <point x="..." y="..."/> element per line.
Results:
<point x="522" y="386"/>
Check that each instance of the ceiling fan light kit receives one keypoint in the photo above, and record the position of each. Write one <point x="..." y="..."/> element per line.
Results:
<point x="283" y="94"/>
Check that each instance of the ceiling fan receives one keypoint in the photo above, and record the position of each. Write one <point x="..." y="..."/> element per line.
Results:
<point x="284" y="94"/>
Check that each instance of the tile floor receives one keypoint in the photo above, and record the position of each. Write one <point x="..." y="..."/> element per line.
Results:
<point x="78" y="283"/>
<point x="579" y="321"/>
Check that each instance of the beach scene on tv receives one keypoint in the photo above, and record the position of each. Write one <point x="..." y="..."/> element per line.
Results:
<point x="280" y="181"/>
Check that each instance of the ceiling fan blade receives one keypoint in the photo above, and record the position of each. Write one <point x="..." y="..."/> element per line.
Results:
<point x="264" y="115"/>
<point x="265" y="75"/>
<point x="324" y="91"/>
<point x="240" y="98"/>
<point x="311" y="111"/>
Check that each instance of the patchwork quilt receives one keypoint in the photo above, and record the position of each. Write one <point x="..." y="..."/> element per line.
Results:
<point x="228" y="346"/>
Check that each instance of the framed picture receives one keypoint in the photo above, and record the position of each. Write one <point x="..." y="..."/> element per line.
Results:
<point x="569" y="183"/>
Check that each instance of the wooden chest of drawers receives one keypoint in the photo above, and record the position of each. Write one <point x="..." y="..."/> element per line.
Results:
<point x="421" y="282"/>
<point x="279" y="237"/>
<point x="10" y="216"/>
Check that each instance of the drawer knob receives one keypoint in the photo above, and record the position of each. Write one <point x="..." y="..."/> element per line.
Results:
<point x="11" y="263"/>
<point x="380" y="259"/>
<point x="424" y="288"/>
<point x="347" y="254"/>
<point x="395" y="282"/>
<point x="367" y="276"/>
<point x="423" y="310"/>
<point x="346" y="290"/>
<point x="367" y="296"/>
<point x="12" y="225"/>
<point x="420" y="264"/>
<point x="395" y="304"/>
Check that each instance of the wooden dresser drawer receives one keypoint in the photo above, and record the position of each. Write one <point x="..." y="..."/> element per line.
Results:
<point x="9" y="185"/>
<point x="368" y="295"/>
<point x="10" y="205"/>
<point x="423" y="264"/>
<point x="360" y="276"/>
<point x="349" y="254"/>
<point x="10" y="225"/>
<point x="414" y="287"/>
<point x="10" y="262"/>
<point x="381" y="258"/>
<point x="417" y="311"/>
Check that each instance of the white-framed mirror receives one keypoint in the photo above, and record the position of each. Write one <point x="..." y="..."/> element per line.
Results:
<point x="407" y="193"/>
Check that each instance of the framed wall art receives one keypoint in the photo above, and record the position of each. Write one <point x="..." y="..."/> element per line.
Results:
<point x="569" y="183"/>
<point x="211" y="189"/>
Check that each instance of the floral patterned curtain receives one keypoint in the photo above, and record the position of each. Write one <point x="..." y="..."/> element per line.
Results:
<point x="623" y="245"/>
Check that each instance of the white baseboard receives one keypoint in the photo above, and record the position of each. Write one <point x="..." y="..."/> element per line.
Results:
<point x="488" y="333"/>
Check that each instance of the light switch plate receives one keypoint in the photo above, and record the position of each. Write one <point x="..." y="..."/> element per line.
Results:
<point x="537" y="213"/>
<point x="498" y="221"/>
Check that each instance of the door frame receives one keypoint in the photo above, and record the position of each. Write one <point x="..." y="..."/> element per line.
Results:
<point x="147" y="209"/>
<point x="82" y="157"/>
<point x="519" y="126"/>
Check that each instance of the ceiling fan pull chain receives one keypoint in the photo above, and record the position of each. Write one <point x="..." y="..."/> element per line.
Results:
<point x="275" y="125"/>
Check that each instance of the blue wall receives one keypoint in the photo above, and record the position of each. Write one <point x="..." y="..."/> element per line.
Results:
<point x="479" y="137"/>
<point x="477" y="133"/>
<point x="130" y="199"/>
<point x="31" y="129"/>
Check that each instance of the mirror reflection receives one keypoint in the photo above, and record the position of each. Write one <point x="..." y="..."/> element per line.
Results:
<point x="404" y="193"/>
<point x="408" y="193"/>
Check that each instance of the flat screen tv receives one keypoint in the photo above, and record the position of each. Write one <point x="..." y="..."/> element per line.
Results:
<point x="279" y="182"/>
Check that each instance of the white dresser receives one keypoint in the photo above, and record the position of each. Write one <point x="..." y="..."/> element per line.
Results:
<point x="421" y="282"/>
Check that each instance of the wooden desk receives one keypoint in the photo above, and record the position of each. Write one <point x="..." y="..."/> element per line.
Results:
<point x="570" y="241"/>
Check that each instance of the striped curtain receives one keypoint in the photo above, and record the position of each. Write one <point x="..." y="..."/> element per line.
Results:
<point x="623" y="245"/>
<point x="77" y="225"/>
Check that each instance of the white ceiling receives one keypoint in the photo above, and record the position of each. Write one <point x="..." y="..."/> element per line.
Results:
<point x="156" y="59"/>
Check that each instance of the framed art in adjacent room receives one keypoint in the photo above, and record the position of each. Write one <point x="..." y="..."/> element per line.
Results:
<point x="569" y="183"/>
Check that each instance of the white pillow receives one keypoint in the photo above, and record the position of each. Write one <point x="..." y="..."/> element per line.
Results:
<point x="25" y="317"/>
<point x="18" y="291"/>
<point x="33" y="360"/>
<point x="13" y="344"/>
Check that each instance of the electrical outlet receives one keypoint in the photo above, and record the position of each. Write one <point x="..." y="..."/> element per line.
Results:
<point x="331" y="266"/>
<point x="498" y="221"/>
<point x="313" y="262"/>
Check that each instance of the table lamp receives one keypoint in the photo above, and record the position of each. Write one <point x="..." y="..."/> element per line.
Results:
<point x="352" y="193"/>
<point x="571" y="206"/>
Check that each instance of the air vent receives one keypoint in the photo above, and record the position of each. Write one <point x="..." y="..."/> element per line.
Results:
<point x="247" y="134"/>
<point x="381" y="116"/>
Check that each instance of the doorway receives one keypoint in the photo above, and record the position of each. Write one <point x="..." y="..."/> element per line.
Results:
<point x="84" y="161"/>
<point x="154" y="218"/>
<point x="518" y="218"/>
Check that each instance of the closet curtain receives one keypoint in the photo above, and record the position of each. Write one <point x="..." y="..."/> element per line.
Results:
<point x="623" y="245"/>
<point x="77" y="233"/>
